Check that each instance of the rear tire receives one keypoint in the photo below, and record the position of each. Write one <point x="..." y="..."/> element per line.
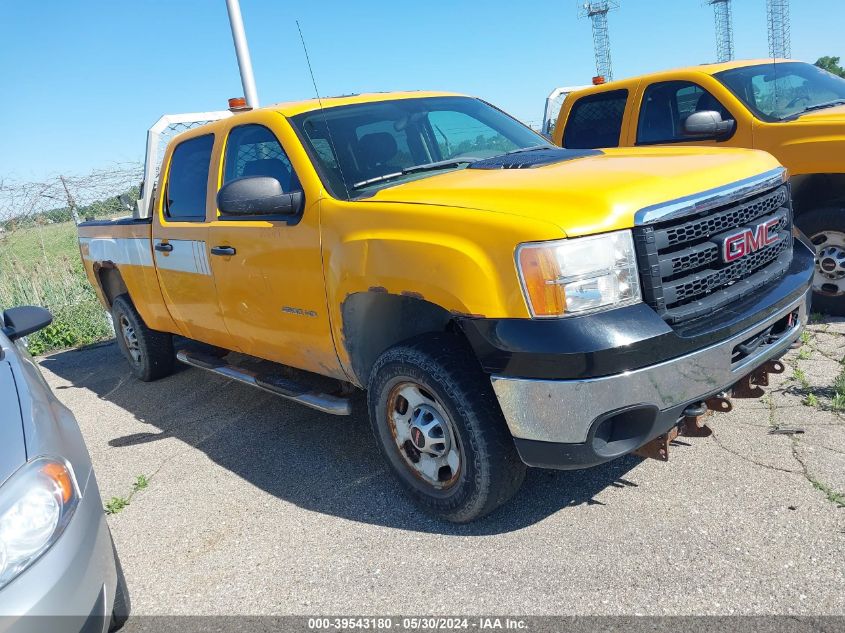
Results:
<point x="826" y="229"/>
<point x="149" y="352"/>
<point x="429" y="401"/>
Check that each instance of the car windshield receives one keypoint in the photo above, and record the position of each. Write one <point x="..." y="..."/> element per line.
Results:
<point x="784" y="90"/>
<point x="361" y="148"/>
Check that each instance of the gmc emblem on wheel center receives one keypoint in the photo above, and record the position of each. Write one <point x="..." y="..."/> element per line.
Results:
<point x="748" y="240"/>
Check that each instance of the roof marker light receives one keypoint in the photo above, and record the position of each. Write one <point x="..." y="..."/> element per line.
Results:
<point x="238" y="104"/>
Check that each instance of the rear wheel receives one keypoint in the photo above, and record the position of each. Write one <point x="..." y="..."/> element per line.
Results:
<point x="826" y="230"/>
<point x="149" y="352"/>
<point x="439" y="426"/>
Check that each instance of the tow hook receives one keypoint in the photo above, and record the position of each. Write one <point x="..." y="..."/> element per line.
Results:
<point x="690" y="425"/>
<point x="751" y="386"/>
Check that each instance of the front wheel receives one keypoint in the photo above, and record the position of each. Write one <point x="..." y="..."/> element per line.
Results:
<point x="826" y="230"/>
<point x="438" y="424"/>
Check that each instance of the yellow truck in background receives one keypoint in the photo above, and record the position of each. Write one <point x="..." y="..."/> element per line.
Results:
<point x="504" y="302"/>
<point x="791" y="109"/>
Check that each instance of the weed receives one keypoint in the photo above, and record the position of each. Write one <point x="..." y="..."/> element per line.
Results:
<point x="832" y="495"/>
<point x="801" y="377"/>
<point x="806" y="336"/>
<point x="116" y="504"/>
<point x="810" y="400"/>
<point x="804" y="353"/>
<point x="141" y="482"/>
<point x="816" y="317"/>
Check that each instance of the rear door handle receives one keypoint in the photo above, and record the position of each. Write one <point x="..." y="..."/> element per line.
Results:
<point x="163" y="247"/>
<point x="222" y="250"/>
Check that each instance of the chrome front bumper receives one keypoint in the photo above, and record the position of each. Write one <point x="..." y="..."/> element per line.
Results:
<point x="563" y="411"/>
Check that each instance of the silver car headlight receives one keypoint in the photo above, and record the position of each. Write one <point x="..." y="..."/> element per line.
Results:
<point x="579" y="275"/>
<point x="36" y="504"/>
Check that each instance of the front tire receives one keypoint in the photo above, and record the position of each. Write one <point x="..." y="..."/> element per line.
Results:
<point x="826" y="230"/>
<point x="149" y="352"/>
<point x="439" y="426"/>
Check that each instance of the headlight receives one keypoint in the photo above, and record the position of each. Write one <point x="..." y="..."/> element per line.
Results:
<point x="36" y="504"/>
<point x="579" y="275"/>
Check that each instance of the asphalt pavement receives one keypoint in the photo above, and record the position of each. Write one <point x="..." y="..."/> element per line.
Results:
<point x="255" y="505"/>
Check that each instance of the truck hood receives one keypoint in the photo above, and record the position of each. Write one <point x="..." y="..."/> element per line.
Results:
<point x="12" y="445"/>
<point x="587" y="195"/>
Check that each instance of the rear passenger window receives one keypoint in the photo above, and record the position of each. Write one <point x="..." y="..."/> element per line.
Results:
<point x="596" y="121"/>
<point x="187" y="183"/>
<point x="253" y="150"/>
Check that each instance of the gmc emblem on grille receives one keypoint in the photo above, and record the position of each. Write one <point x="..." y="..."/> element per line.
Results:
<point x="737" y="245"/>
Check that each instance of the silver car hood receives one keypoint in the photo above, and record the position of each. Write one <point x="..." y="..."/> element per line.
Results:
<point x="12" y="444"/>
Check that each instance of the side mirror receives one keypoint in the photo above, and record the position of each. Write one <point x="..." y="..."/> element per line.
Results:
<point x="708" y="124"/>
<point x="257" y="195"/>
<point x="19" y="322"/>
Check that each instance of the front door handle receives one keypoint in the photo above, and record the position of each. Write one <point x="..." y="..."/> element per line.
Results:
<point x="163" y="247"/>
<point x="222" y="250"/>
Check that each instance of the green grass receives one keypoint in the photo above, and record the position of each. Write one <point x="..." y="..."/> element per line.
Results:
<point x="41" y="266"/>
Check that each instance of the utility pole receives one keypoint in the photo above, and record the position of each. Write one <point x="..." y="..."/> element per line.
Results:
<point x="242" y="51"/>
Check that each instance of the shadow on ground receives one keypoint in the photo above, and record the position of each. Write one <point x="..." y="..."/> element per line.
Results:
<point x="319" y="462"/>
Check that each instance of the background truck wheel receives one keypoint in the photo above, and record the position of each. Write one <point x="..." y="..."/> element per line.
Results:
<point x="826" y="229"/>
<point x="150" y="353"/>
<point x="439" y="426"/>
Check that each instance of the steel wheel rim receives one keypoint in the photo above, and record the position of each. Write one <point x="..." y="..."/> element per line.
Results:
<point x="130" y="339"/>
<point x="829" y="278"/>
<point x="424" y="435"/>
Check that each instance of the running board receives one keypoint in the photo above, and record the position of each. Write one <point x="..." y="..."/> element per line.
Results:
<point x="277" y="385"/>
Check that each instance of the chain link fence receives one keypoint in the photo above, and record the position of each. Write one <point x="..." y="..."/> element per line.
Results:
<point x="39" y="252"/>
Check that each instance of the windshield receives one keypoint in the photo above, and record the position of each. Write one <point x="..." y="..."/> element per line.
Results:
<point x="361" y="148"/>
<point x="778" y="91"/>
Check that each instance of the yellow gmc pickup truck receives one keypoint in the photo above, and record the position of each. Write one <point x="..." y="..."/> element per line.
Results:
<point x="791" y="109"/>
<point x="502" y="301"/>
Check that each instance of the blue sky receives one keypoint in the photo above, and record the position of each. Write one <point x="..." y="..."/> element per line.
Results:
<point x="82" y="80"/>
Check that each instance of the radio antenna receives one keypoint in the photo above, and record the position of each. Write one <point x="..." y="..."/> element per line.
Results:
<point x="320" y="102"/>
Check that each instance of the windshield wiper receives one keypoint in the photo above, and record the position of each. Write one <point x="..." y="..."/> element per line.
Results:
<point x="826" y="104"/>
<point x="533" y="148"/>
<point x="413" y="169"/>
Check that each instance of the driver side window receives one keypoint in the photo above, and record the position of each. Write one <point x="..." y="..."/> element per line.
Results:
<point x="253" y="150"/>
<point x="666" y="107"/>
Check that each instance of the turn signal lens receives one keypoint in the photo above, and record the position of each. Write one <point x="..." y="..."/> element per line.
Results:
<point x="538" y="266"/>
<point x="61" y="476"/>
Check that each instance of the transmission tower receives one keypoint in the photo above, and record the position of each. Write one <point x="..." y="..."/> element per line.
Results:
<point x="724" y="29"/>
<point x="777" y="14"/>
<point x="597" y="12"/>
